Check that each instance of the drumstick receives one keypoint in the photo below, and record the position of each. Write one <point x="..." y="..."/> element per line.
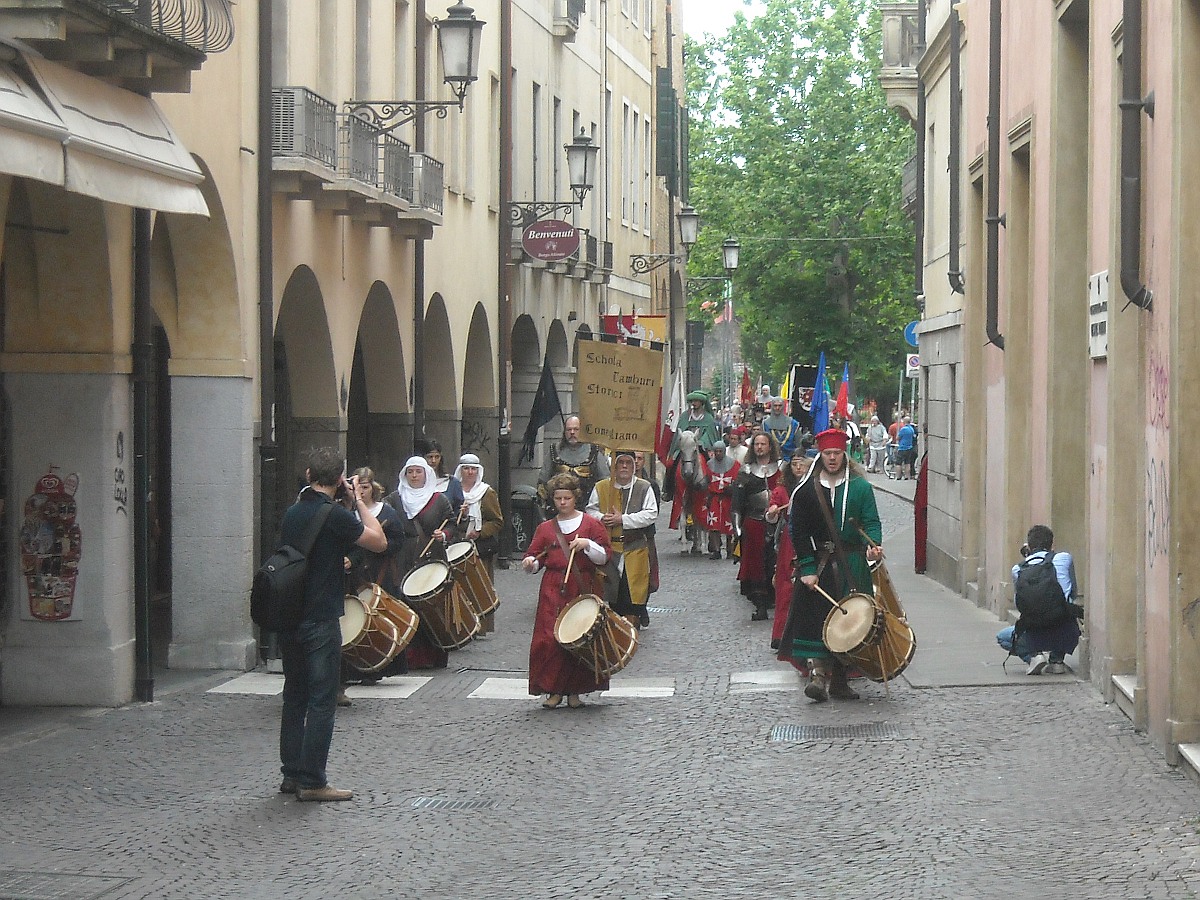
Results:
<point x="821" y="591"/>
<point x="570" y="562"/>
<point x="432" y="539"/>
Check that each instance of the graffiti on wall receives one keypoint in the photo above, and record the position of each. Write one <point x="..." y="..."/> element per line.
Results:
<point x="475" y="437"/>
<point x="1158" y="509"/>
<point x="120" y="486"/>
<point x="51" y="545"/>
<point x="1159" y="387"/>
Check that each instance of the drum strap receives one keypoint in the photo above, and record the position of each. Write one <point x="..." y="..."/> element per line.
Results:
<point x="562" y="545"/>
<point x="842" y="566"/>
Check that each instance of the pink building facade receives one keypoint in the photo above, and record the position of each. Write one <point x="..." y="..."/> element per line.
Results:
<point x="1071" y="345"/>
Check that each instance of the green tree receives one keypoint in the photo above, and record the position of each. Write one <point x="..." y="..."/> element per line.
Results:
<point x="794" y="152"/>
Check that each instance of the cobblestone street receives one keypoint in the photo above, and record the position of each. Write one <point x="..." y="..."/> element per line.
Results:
<point x="699" y="776"/>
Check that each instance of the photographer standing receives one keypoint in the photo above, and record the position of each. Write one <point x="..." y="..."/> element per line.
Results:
<point x="312" y="653"/>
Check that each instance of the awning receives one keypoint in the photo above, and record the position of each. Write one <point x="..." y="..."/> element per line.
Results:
<point x="31" y="135"/>
<point x="107" y="143"/>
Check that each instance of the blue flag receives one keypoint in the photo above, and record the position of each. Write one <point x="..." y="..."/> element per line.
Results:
<point x="820" y="399"/>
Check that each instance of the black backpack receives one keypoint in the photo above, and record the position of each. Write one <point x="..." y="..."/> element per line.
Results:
<point x="277" y="594"/>
<point x="1039" y="596"/>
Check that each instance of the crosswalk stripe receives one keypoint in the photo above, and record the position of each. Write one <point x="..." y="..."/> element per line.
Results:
<point x="402" y="687"/>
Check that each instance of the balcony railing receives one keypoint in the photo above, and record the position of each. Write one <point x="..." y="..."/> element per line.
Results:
<point x="908" y="182"/>
<point x="396" y="166"/>
<point x="360" y="151"/>
<point x="204" y="25"/>
<point x="902" y="46"/>
<point x="304" y="124"/>
<point x="429" y="176"/>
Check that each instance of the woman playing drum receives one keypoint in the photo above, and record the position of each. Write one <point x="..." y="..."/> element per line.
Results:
<point x="833" y="491"/>
<point x="423" y="513"/>
<point x="483" y="520"/>
<point x="364" y="568"/>
<point x="570" y="540"/>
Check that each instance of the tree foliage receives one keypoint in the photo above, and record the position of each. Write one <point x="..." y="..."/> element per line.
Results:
<point x="794" y="152"/>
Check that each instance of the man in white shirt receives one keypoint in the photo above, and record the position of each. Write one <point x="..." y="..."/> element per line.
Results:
<point x="626" y="506"/>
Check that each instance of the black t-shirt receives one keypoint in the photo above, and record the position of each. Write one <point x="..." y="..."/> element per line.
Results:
<point x="324" y="587"/>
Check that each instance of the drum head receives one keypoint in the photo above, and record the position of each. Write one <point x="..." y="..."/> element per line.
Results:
<point x="367" y="596"/>
<point x="428" y="577"/>
<point x="459" y="551"/>
<point x="353" y="620"/>
<point x="846" y="630"/>
<point x="577" y="619"/>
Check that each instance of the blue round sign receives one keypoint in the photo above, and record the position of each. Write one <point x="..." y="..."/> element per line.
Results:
<point x="910" y="333"/>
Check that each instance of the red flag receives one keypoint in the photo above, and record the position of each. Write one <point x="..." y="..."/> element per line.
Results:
<point x="842" y="407"/>
<point x="669" y="418"/>
<point x="747" y="394"/>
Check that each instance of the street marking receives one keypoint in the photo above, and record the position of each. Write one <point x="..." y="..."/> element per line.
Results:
<point x="771" y="680"/>
<point x="518" y="688"/>
<point x="397" y="688"/>
<point x="251" y="683"/>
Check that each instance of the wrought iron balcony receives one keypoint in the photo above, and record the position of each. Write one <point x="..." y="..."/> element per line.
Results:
<point x="396" y="168"/>
<point x="908" y="185"/>
<point x="429" y="176"/>
<point x="304" y="125"/>
<point x="142" y="45"/>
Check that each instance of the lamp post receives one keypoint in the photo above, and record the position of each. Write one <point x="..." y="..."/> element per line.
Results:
<point x="689" y="229"/>
<point x="730" y="256"/>
<point x="582" y="154"/>
<point x="458" y="37"/>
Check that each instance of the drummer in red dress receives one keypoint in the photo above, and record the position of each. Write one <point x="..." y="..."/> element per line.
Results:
<point x="721" y="470"/>
<point x="834" y="489"/>
<point x="580" y="542"/>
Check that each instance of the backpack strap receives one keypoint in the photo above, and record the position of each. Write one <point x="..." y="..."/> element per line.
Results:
<point x="314" y="528"/>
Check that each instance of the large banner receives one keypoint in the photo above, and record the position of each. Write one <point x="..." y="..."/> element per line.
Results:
<point x="618" y="389"/>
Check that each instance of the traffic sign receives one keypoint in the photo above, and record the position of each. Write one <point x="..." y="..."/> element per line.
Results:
<point x="910" y="333"/>
<point x="912" y="365"/>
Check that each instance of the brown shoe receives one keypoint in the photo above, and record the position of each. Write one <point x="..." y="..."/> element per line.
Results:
<point x="323" y="794"/>
<point x="818" y="686"/>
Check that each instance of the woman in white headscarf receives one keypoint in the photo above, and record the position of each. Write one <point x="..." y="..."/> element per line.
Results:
<point x="423" y="512"/>
<point x="482" y="519"/>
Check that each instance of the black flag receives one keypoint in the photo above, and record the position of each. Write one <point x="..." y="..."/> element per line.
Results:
<point x="545" y="408"/>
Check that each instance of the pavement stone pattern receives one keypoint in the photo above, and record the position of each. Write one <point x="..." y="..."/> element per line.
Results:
<point x="1018" y="790"/>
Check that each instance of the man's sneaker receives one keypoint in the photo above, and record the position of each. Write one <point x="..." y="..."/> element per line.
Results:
<point x="1038" y="664"/>
<point x="1055" y="668"/>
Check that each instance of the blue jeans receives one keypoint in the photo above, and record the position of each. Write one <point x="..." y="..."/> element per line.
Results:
<point x="312" y="656"/>
<point x="1057" y="641"/>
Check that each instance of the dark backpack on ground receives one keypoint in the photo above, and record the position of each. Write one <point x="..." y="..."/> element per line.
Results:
<point x="1039" y="596"/>
<point x="277" y="595"/>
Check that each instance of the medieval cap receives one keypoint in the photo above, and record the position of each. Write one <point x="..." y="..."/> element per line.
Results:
<point x="832" y="439"/>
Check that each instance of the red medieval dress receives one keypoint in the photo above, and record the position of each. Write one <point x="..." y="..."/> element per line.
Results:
<point x="785" y="554"/>
<point x="552" y="669"/>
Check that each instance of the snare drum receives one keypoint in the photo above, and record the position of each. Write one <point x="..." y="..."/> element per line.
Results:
<point x="858" y="624"/>
<point x="590" y="631"/>
<point x="893" y="652"/>
<point x="382" y="603"/>
<point x="471" y="575"/>
<point x="441" y="604"/>
<point x="369" y="641"/>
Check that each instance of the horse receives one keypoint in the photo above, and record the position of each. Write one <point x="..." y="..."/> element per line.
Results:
<point x="690" y="488"/>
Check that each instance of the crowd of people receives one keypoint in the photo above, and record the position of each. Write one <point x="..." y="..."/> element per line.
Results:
<point x="751" y="494"/>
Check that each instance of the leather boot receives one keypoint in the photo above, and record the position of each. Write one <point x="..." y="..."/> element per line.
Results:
<point x="760" y="608"/>
<point x="817" y="688"/>
<point x="839" y="686"/>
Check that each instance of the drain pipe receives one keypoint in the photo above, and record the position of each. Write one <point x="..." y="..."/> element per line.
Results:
<point x="1132" y="104"/>
<point x="994" y="220"/>
<point x="957" y="282"/>
<point x="922" y="125"/>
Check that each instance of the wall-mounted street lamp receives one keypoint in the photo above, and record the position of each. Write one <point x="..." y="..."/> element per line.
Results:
<point x="458" y="37"/>
<point x="689" y="230"/>
<point x="581" y="171"/>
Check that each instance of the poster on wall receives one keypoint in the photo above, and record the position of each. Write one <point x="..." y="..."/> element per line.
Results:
<point x="642" y="328"/>
<point x="618" y="387"/>
<point x="51" y="546"/>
